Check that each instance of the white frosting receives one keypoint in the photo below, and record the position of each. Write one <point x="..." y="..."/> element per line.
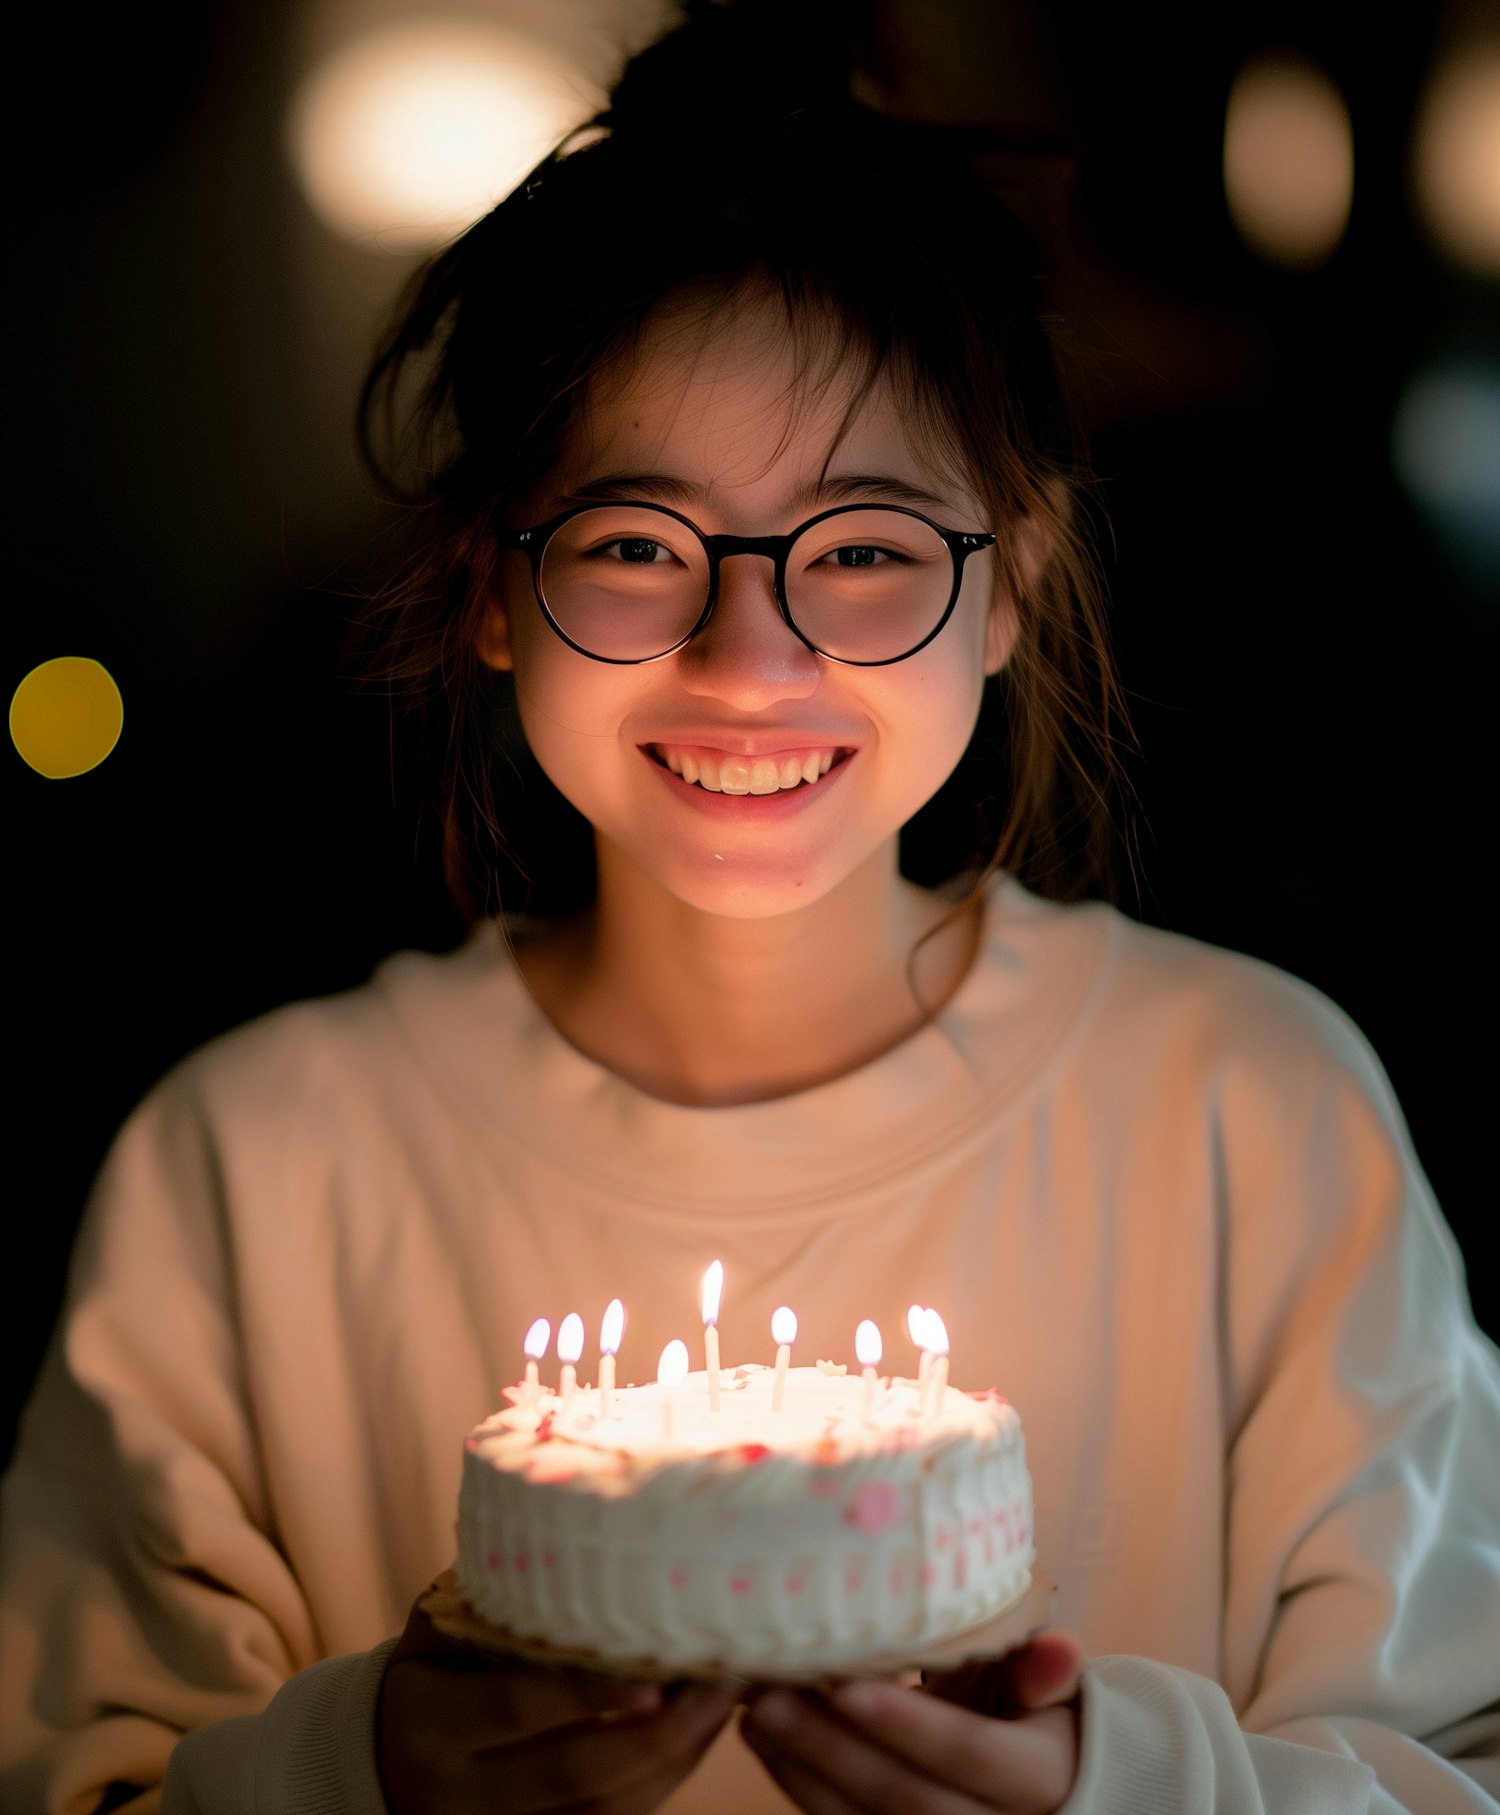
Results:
<point x="747" y="1539"/>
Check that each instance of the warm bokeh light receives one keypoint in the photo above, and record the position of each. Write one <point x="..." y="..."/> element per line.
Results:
<point x="537" y="1338"/>
<point x="66" y="716"/>
<point x="784" y="1325"/>
<point x="1288" y="161"/>
<point x="404" y="137"/>
<point x="1457" y="157"/>
<point x="867" y="1344"/>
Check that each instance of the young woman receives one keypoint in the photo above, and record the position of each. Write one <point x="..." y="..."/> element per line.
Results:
<point x="749" y="475"/>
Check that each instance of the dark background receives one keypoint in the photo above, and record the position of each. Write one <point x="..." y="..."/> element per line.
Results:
<point x="1311" y="674"/>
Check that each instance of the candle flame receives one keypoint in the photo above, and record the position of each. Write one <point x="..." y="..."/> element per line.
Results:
<point x="570" y="1338"/>
<point x="916" y="1325"/>
<point x="672" y="1369"/>
<point x="537" y="1338"/>
<point x="784" y="1325"/>
<point x="613" y="1327"/>
<point x="937" y="1333"/>
<point x="867" y="1345"/>
<point x="713" y="1288"/>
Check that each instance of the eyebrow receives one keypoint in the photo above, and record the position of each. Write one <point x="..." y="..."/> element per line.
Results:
<point x="611" y="488"/>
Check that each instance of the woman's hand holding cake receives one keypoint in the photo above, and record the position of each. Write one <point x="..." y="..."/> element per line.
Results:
<point x="459" y="1730"/>
<point x="994" y="1737"/>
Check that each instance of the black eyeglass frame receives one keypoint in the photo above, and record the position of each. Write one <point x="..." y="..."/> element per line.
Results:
<point x="533" y="543"/>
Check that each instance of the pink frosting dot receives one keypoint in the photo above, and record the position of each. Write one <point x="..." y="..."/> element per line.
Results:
<point x="873" y="1508"/>
<point x="678" y="1578"/>
<point x="795" y="1584"/>
<point x="520" y="1562"/>
<point x="929" y="1575"/>
<point x="492" y="1561"/>
<point x="739" y="1584"/>
<point x="549" y="1559"/>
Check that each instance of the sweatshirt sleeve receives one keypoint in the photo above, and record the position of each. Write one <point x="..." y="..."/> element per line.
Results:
<point x="1361" y="1651"/>
<point x="143" y="1595"/>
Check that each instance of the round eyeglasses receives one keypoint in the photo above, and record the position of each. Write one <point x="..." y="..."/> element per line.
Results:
<point x="860" y="584"/>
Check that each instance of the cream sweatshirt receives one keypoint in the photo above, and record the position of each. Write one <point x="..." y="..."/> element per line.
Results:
<point x="1160" y="1193"/>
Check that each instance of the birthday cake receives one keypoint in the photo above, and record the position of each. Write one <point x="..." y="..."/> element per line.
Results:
<point x="854" y="1521"/>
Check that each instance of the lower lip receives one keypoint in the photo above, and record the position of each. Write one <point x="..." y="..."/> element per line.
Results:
<point x="741" y="807"/>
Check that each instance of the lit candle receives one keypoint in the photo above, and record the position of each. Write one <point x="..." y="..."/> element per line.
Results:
<point x="535" y="1345"/>
<point x="783" y="1334"/>
<point x="671" y="1371"/>
<point x="569" y="1348"/>
<point x="612" y="1329"/>
<point x="937" y="1380"/>
<point x="869" y="1348"/>
<point x="713" y="1287"/>
<point x="916" y="1324"/>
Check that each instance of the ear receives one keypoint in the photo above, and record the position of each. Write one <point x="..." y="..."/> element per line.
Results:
<point x="1033" y="550"/>
<point x="492" y="639"/>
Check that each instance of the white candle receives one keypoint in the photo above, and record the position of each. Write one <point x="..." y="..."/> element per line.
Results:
<point x="569" y="1348"/>
<point x="610" y="1332"/>
<point x="535" y="1345"/>
<point x="671" y="1371"/>
<point x="916" y="1324"/>
<point x="713" y="1287"/>
<point x="784" y="1334"/>
<point x="937" y="1380"/>
<point x="868" y="1348"/>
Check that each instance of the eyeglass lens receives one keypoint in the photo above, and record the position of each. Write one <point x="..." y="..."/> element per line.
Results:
<point x="628" y="583"/>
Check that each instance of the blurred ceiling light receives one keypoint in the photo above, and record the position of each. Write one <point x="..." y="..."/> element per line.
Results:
<point x="66" y="716"/>
<point x="1457" y="157"/>
<point x="407" y="135"/>
<point x="1288" y="161"/>
<point x="1445" y="445"/>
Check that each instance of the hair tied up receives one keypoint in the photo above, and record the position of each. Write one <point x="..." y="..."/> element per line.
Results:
<point x="728" y="66"/>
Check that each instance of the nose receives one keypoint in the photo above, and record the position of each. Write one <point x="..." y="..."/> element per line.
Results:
<point x="747" y="653"/>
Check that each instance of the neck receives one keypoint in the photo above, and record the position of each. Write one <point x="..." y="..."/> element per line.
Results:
<point x="710" y="1010"/>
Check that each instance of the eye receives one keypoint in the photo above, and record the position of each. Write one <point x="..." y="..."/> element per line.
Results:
<point x="858" y="554"/>
<point x="638" y="551"/>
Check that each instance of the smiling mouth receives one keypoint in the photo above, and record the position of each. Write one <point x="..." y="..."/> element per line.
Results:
<point x="718" y="773"/>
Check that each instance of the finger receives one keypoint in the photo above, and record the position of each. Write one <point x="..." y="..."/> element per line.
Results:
<point x="495" y="1702"/>
<point x="1039" y="1674"/>
<point x="1023" y="1764"/>
<point x="813" y="1794"/>
<point x="644" y="1796"/>
<point x="1047" y="1670"/>
<point x="599" y="1760"/>
<point x="803" y="1731"/>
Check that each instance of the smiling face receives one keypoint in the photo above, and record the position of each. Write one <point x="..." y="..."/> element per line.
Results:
<point x="700" y="422"/>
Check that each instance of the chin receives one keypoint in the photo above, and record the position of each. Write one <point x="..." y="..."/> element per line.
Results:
<point x="747" y="896"/>
<point x="745" y="887"/>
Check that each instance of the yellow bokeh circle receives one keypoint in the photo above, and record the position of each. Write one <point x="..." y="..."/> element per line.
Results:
<point x="65" y="716"/>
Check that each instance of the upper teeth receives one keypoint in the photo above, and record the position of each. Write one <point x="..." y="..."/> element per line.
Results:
<point x="746" y="774"/>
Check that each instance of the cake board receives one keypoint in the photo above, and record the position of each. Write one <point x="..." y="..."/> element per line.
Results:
<point x="451" y="1614"/>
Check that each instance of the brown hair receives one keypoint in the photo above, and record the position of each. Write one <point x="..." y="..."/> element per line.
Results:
<point x="731" y="167"/>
